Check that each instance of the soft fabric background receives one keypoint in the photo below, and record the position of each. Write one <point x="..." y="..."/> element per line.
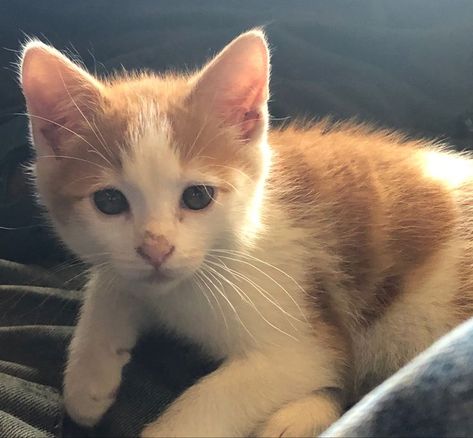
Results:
<point x="404" y="64"/>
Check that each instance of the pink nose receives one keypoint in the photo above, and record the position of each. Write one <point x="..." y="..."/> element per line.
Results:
<point x="155" y="249"/>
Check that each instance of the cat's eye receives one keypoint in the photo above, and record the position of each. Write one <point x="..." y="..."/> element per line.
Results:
<point x="197" y="197"/>
<point x="111" y="201"/>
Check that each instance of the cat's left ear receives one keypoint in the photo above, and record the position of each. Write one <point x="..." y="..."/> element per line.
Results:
<point x="236" y="85"/>
<point x="61" y="97"/>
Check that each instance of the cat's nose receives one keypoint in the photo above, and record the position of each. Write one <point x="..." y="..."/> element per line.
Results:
<point x="155" y="249"/>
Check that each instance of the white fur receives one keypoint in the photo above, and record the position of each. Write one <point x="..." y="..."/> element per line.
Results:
<point x="238" y="277"/>
<point x="273" y="362"/>
<point x="263" y="335"/>
<point x="305" y="417"/>
<point x="414" y="321"/>
<point x="450" y="169"/>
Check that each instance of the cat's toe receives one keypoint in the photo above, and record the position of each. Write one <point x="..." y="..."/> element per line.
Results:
<point x="89" y="391"/>
<point x="303" y="418"/>
<point x="288" y="427"/>
<point x="86" y="407"/>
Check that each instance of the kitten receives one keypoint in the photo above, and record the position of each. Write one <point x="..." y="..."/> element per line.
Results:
<point x="314" y="260"/>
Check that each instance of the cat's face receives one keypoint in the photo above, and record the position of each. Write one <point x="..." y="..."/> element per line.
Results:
<point x="148" y="175"/>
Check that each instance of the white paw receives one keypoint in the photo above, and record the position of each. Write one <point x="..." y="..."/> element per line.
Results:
<point x="303" y="418"/>
<point x="91" y="384"/>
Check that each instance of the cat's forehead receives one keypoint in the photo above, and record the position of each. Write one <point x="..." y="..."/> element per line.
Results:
<point x="151" y="157"/>
<point x="156" y="131"/>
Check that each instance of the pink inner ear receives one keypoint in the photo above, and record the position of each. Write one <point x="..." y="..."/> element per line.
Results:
<point x="246" y="112"/>
<point x="247" y="122"/>
<point x="235" y="84"/>
<point x="52" y="133"/>
<point x="58" y="96"/>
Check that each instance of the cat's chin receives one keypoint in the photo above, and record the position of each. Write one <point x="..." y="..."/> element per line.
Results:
<point x="145" y="277"/>
<point x="159" y="277"/>
<point x="162" y="280"/>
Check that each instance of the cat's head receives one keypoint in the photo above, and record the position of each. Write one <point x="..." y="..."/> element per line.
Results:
<point x="148" y="174"/>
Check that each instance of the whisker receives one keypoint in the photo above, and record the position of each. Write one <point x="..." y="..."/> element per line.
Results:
<point x="63" y="127"/>
<point x="258" y="288"/>
<point x="204" y="272"/>
<point x="247" y="299"/>
<point x="222" y="313"/>
<point x="73" y="158"/>
<point x="96" y="177"/>
<point x="231" y="168"/>
<point x="87" y="121"/>
<point x="244" y="297"/>
<point x="197" y="281"/>
<point x="243" y="254"/>
<point x="204" y="124"/>
<point x="25" y="227"/>
<point x="104" y="144"/>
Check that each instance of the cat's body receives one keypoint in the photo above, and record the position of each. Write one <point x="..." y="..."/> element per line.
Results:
<point x="332" y="255"/>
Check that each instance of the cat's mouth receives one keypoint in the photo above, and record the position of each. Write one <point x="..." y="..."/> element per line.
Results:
<point x="159" y="276"/>
<point x="146" y="274"/>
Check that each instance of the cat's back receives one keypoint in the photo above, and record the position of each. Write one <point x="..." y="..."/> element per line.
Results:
<point x="401" y="217"/>
<point x="375" y="184"/>
<point x="385" y="193"/>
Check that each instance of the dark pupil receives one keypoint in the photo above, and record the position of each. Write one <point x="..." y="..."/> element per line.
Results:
<point x="197" y="197"/>
<point x="110" y="201"/>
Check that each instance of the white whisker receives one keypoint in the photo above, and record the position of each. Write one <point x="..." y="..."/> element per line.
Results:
<point x="247" y="299"/>
<point x="72" y="158"/>
<point x="265" y="274"/>
<point x="196" y="282"/>
<point x="87" y="121"/>
<point x="204" y="272"/>
<point x="67" y="129"/>
<point x="215" y="298"/>
<point x="258" y="288"/>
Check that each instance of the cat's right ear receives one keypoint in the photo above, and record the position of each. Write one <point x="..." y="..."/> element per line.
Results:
<point x="235" y="85"/>
<point x="60" y="97"/>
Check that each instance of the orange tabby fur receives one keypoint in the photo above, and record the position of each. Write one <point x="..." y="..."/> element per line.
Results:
<point x="386" y="218"/>
<point x="380" y="222"/>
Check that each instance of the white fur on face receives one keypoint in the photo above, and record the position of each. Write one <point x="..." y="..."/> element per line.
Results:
<point x="153" y="181"/>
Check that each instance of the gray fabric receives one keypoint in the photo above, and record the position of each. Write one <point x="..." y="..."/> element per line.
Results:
<point x="430" y="397"/>
<point x="433" y="396"/>
<point x="35" y="326"/>
<point x="36" y="323"/>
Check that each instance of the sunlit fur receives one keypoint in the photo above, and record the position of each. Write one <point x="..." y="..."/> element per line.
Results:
<point x="330" y="256"/>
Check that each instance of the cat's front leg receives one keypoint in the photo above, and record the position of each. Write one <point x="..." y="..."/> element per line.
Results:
<point x="106" y="332"/>
<point x="240" y="396"/>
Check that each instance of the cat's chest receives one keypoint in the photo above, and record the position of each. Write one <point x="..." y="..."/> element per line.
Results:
<point x="196" y="314"/>
<point x="231" y="314"/>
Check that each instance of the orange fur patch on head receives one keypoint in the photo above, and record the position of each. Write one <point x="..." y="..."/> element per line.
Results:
<point x="203" y="142"/>
<point x="91" y="126"/>
<point x="106" y="136"/>
<point x="109" y="135"/>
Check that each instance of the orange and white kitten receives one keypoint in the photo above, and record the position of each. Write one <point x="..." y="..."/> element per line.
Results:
<point x="314" y="260"/>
